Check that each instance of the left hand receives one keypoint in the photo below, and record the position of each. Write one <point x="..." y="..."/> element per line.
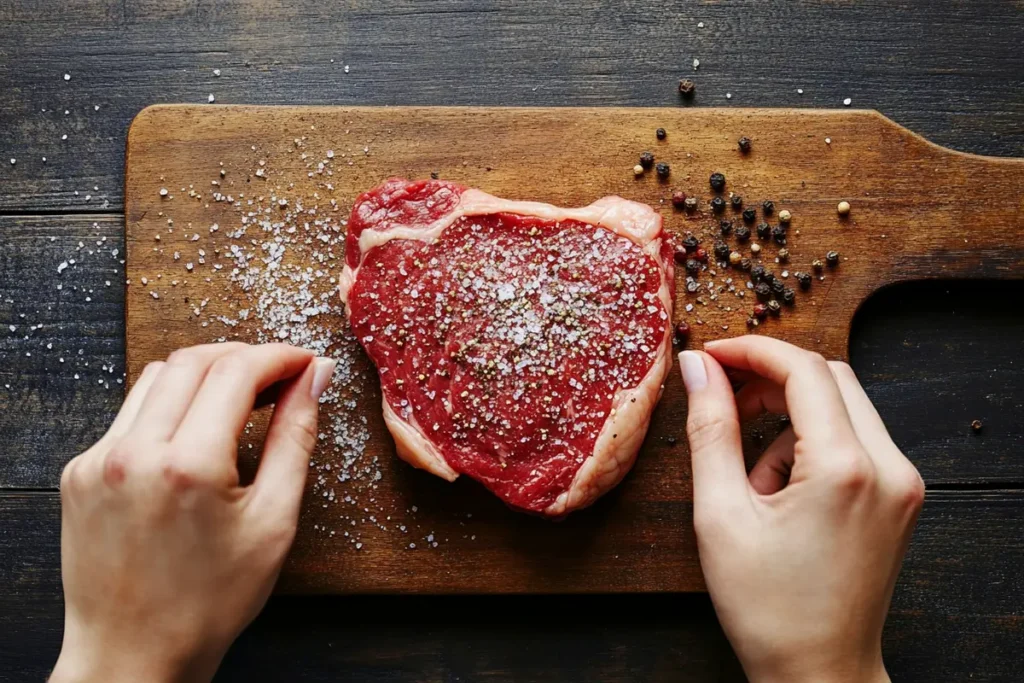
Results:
<point x="165" y="557"/>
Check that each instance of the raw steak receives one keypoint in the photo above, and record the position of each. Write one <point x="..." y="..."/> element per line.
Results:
<point x="520" y="343"/>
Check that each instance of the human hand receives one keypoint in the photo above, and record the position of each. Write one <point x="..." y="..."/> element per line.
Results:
<point x="165" y="557"/>
<point x="801" y="556"/>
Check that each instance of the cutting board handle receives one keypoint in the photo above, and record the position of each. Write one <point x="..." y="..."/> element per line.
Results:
<point x="930" y="213"/>
<point x="967" y="220"/>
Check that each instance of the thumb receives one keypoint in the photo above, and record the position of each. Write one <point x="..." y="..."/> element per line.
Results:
<point x="713" y="428"/>
<point x="290" y="440"/>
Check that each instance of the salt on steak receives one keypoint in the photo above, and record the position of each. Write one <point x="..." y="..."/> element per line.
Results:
<point x="519" y="343"/>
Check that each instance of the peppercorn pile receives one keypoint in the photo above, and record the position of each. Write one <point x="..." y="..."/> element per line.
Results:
<point x="739" y="259"/>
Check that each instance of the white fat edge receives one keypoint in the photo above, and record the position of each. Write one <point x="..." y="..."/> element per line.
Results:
<point x="632" y="220"/>
<point x="414" y="447"/>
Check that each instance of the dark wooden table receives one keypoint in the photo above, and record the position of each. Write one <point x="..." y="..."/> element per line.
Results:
<point x="933" y="356"/>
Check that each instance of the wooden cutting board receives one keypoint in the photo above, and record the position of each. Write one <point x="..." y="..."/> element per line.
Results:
<point x="918" y="211"/>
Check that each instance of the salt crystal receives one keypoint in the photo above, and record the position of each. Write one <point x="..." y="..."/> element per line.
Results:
<point x="847" y="102"/>
<point x="216" y="72"/>
<point x="211" y="98"/>
<point x="62" y="267"/>
<point x="696" y="63"/>
<point x="67" y="77"/>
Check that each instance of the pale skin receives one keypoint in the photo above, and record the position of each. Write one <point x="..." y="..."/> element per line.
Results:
<point x="166" y="557"/>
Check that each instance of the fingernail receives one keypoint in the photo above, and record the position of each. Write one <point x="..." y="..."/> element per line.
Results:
<point x="323" y="370"/>
<point x="695" y="377"/>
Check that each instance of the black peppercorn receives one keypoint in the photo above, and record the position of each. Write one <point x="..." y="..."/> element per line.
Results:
<point x="692" y="266"/>
<point x="717" y="182"/>
<point x="768" y="206"/>
<point x="777" y="287"/>
<point x="647" y="160"/>
<point x="434" y="175"/>
<point x="779" y="235"/>
<point x="742" y="233"/>
<point x="788" y="296"/>
<point x="725" y="226"/>
<point x="832" y="258"/>
<point x="678" y="199"/>
<point x="757" y="273"/>
<point x="768" y="278"/>
<point x="976" y="426"/>
<point x="764" y="231"/>
<point x="774" y="307"/>
<point x="660" y="133"/>
<point x="736" y="201"/>
<point x="763" y="291"/>
<point x="717" y="204"/>
<point x="682" y="333"/>
<point x="745" y="264"/>
<point x="817" y="265"/>
<point x="690" y="243"/>
<point x="744" y="144"/>
<point x="686" y="87"/>
<point x="721" y="251"/>
<point x="804" y="279"/>
<point x="749" y="214"/>
<point x="663" y="170"/>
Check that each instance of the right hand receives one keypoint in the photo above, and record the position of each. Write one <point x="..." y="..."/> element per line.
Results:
<point x="801" y="555"/>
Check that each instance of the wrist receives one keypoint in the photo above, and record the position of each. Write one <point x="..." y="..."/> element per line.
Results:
<point x="125" y="663"/>
<point x="75" y="667"/>
<point x="867" y="673"/>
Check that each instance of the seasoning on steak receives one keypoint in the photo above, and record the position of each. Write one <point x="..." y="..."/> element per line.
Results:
<point x="520" y="343"/>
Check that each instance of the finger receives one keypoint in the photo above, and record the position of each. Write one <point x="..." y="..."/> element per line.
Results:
<point x="175" y="387"/>
<point x="771" y="471"/>
<point x="226" y="397"/>
<point x="713" y="428"/>
<point x="813" y="399"/>
<point x="290" y="440"/>
<point x="760" y="396"/>
<point x="866" y="421"/>
<point x="133" y="402"/>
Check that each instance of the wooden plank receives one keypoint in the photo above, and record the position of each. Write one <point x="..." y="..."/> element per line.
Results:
<point x="950" y="70"/>
<point x="956" y="609"/>
<point x="300" y="168"/>
<point x="61" y="340"/>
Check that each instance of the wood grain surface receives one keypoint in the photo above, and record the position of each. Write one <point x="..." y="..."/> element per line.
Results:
<point x="914" y="216"/>
<point x="932" y="355"/>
